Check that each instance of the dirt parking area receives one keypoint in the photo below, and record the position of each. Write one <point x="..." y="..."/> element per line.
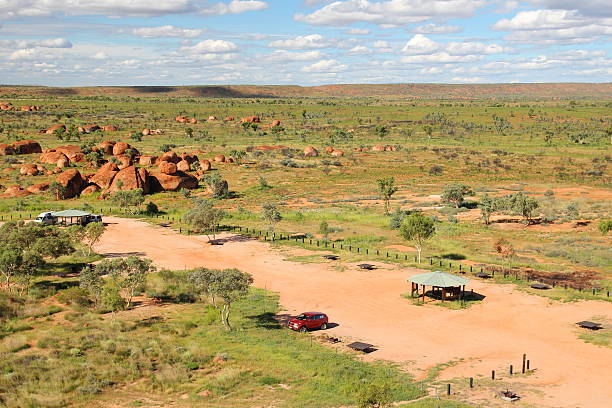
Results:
<point x="367" y="306"/>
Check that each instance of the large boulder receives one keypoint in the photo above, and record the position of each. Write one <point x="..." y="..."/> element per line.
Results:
<point x="147" y="160"/>
<point x="72" y="182"/>
<point x="62" y="162"/>
<point x="166" y="167"/>
<point x="105" y="175"/>
<point x="15" y="192"/>
<point x="275" y="123"/>
<point x="29" y="170"/>
<point x="169" y="157"/>
<point x="124" y="161"/>
<point x="27" y="147"/>
<point x="131" y="178"/>
<point x="183" y="165"/>
<point x="106" y="147"/>
<point x="119" y="148"/>
<point x="6" y="149"/>
<point x="73" y="152"/>
<point x="205" y="165"/>
<point x="52" y="156"/>
<point x="90" y="189"/>
<point x="310" y="152"/>
<point x="181" y="119"/>
<point x="38" y="188"/>
<point x="53" y="128"/>
<point x="90" y="128"/>
<point x="193" y="121"/>
<point x="219" y="158"/>
<point x="251" y="119"/>
<point x="172" y="182"/>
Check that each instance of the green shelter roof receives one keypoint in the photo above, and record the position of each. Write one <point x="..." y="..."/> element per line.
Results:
<point x="70" y="213"/>
<point x="439" y="279"/>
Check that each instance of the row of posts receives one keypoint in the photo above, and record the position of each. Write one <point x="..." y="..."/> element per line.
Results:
<point x="524" y="368"/>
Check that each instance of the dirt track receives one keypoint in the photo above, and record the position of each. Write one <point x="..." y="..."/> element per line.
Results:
<point x="367" y="306"/>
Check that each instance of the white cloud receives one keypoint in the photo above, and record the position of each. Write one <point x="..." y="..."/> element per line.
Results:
<point x="211" y="47"/>
<point x="553" y="27"/>
<point x="359" y="50"/>
<point x="467" y="79"/>
<point x="326" y="66"/>
<point x="302" y="42"/>
<point x="100" y="55"/>
<point x="122" y="8"/>
<point x="390" y="12"/>
<point x="440" y="57"/>
<point x="166" y="31"/>
<point x="421" y="45"/>
<point x="46" y="43"/>
<point x="437" y="29"/>
<point x="25" y="54"/>
<point x="286" y="56"/>
<point x="235" y="7"/>
<point x="431" y="70"/>
<point x="358" y="31"/>
<point x="594" y="8"/>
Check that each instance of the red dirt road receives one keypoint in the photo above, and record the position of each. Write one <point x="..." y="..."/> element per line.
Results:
<point x="367" y="306"/>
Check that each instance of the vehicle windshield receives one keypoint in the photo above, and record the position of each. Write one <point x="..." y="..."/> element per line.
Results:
<point x="302" y="317"/>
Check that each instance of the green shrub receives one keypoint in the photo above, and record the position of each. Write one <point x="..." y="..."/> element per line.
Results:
<point x="74" y="296"/>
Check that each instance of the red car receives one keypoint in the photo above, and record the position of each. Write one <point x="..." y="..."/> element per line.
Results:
<point x="309" y="320"/>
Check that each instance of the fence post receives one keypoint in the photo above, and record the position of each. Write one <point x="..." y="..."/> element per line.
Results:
<point x="387" y="254"/>
<point x="492" y="374"/>
<point x="510" y="369"/>
<point x="471" y="382"/>
<point x="367" y="251"/>
<point x="448" y="389"/>
<point x="524" y="361"/>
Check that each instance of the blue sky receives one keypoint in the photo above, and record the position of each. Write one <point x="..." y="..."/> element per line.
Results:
<point x="303" y="42"/>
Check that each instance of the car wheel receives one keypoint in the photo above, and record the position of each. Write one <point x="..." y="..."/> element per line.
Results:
<point x="324" y="326"/>
<point x="303" y="329"/>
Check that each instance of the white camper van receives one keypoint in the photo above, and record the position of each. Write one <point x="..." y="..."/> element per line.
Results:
<point x="46" y="218"/>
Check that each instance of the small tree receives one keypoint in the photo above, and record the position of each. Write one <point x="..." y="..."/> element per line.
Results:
<point x="238" y="155"/>
<point x="454" y="194"/>
<point x="217" y="185"/>
<point x="271" y="215"/>
<point x="57" y="190"/>
<point x="229" y="285"/>
<point x="201" y="279"/>
<point x="605" y="226"/>
<point x="129" y="200"/>
<point x="374" y="396"/>
<point x="417" y="228"/>
<point x="386" y="187"/>
<point x="19" y="265"/>
<point x="381" y="131"/>
<point x="428" y="130"/>
<point x="505" y="250"/>
<point x="324" y="229"/>
<point x="92" y="282"/>
<point x="487" y="207"/>
<point x="204" y="217"/>
<point x="93" y="234"/>
<point x="128" y="274"/>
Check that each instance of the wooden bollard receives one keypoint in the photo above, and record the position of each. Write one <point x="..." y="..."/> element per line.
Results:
<point x="492" y="374"/>
<point x="471" y="382"/>
<point x="396" y="255"/>
<point x="367" y="251"/>
<point x="510" y="370"/>
<point x="431" y="261"/>
<point x="387" y="254"/>
<point x="350" y="248"/>
<point x="524" y="361"/>
<point x="527" y="364"/>
<point x="448" y="389"/>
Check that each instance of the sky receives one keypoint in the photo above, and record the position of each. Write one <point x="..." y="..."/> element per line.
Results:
<point x="303" y="42"/>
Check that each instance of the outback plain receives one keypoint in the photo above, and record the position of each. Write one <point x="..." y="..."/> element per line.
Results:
<point x="229" y="210"/>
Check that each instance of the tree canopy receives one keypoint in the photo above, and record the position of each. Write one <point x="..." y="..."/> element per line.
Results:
<point x="417" y="228"/>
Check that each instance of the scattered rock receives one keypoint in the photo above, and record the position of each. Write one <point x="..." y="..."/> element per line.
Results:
<point x="119" y="148"/>
<point x="15" y="192"/>
<point x="6" y="149"/>
<point x="110" y="128"/>
<point x="52" y="157"/>
<point x="205" y="393"/>
<point x="106" y="147"/>
<point x="228" y="119"/>
<point x="27" y="147"/>
<point x="183" y="165"/>
<point x="38" y="188"/>
<point x="105" y="175"/>
<point x="337" y="153"/>
<point x="72" y="182"/>
<point x="251" y="119"/>
<point x="329" y="149"/>
<point x="29" y="170"/>
<point x="147" y="160"/>
<point x="53" y="128"/>
<point x="275" y="123"/>
<point x="378" y="148"/>
<point x="169" y="157"/>
<point x="211" y="118"/>
<point x="124" y="161"/>
<point x="310" y="152"/>
<point x="167" y="167"/>
<point x="193" y="121"/>
<point x="172" y="182"/>
<point x="181" y="119"/>
<point x="205" y="165"/>
<point x="90" y="189"/>
<point x="91" y="128"/>
<point x="131" y="178"/>
<point x="146" y="132"/>
<point x="219" y="158"/>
